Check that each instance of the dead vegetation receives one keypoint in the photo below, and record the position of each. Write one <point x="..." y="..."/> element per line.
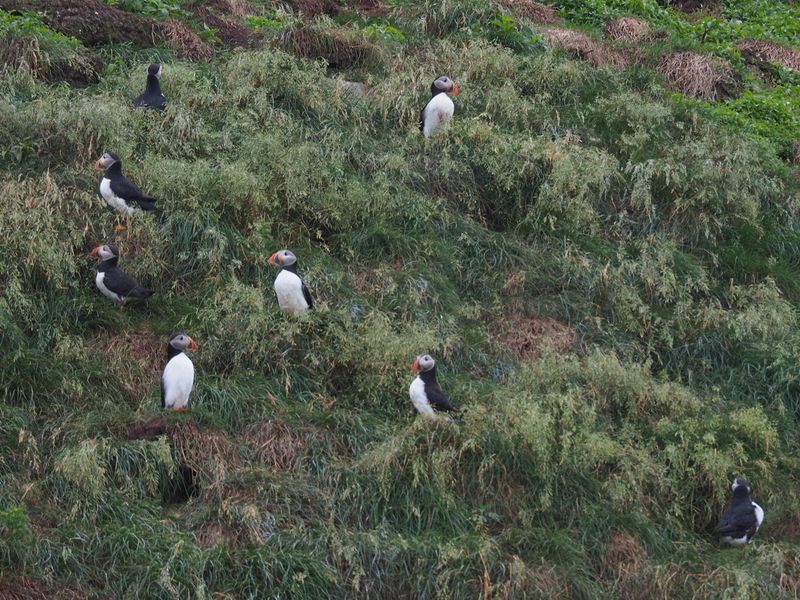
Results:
<point x="579" y="45"/>
<point x="78" y="68"/>
<point x="132" y="358"/>
<point x="236" y="8"/>
<point x="699" y="76"/>
<point x="693" y="6"/>
<point x="763" y="54"/>
<point x="275" y="445"/>
<point x="340" y="49"/>
<point x="532" y="10"/>
<point x="25" y="588"/>
<point x="206" y="451"/>
<point x="314" y="8"/>
<point x="626" y="563"/>
<point x="185" y="42"/>
<point x="528" y="337"/>
<point x="629" y="30"/>
<point x="231" y="33"/>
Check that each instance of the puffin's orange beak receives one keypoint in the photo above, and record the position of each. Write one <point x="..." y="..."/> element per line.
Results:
<point x="95" y="250"/>
<point x="415" y="365"/>
<point x="455" y="89"/>
<point x="194" y="345"/>
<point x="98" y="166"/>
<point x="275" y="259"/>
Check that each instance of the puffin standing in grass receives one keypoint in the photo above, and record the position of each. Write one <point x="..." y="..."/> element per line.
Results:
<point x="178" y="376"/>
<point x="426" y="395"/>
<point x="741" y="520"/>
<point x="113" y="282"/>
<point x="118" y="191"/>
<point x="292" y="293"/>
<point x="152" y="96"/>
<point x="440" y="108"/>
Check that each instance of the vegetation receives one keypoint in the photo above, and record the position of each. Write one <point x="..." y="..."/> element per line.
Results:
<point x="607" y="273"/>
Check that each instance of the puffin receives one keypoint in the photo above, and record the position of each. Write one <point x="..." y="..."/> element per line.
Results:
<point x="120" y="192"/>
<point x="741" y="520"/>
<point x="152" y="96"/>
<point x="113" y="282"/>
<point x="440" y="108"/>
<point x="292" y="293"/>
<point x="426" y="395"/>
<point x="178" y="376"/>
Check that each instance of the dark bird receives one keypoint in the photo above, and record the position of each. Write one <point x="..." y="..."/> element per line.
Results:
<point x="741" y="520"/>
<point x="152" y="96"/>
<point x="113" y="282"/>
<point x="292" y="293"/>
<point x="426" y="395"/>
<point x="178" y="376"/>
<point x="440" y="107"/>
<point x="118" y="191"/>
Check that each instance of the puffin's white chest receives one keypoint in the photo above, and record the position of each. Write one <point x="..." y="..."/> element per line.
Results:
<point x="418" y="398"/>
<point x="289" y="290"/>
<point x="178" y="379"/>
<point x="438" y="111"/>
<point x="111" y="198"/>
<point x="98" y="281"/>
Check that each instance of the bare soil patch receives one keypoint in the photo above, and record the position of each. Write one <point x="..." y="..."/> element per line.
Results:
<point x="532" y="10"/>
<point x="338" y="48"/>
<point x="700" y="76"/>
<point x="762" y="54"/>
<point x="24" y="588"/>
<point x="528" y="337"/>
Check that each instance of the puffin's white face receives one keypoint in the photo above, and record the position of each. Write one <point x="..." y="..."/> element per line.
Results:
<point x="181" y="341"/>
<point x="445" y="84"/>
<point x="283" y="258"/>
<point x="424" y="362"/>
<point x="739" y="482"/>
<point x="105" y="161"/>
<point x="155" y="69"/>
<point x="105" y="251"/>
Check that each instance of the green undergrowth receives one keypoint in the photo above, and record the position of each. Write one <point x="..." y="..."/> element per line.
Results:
<point x="607" y="277"/>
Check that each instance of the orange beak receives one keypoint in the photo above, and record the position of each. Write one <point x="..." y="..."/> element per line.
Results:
<point x="194" y="346"/>
<point x="415" y="365"/>
<point x="455" y="89"/>
<point x="95" y="250"/>
<point x="275" y="259"/>
<point x="98" y="166"/>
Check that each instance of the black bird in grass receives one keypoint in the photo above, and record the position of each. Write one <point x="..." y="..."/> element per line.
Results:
<point x="120" y="192"/>
<point x="152" y="97"/>
<point x="426" y="395"/>
<point x="112" y="281"/>
<point x="741" y="520"/>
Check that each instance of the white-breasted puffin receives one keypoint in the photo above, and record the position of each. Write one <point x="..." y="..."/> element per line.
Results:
<point x="178" y="376"/>
<point x="112" y="281"/>
<point x="292" y="294"/>
<point x="120" y="192"/>
<point x="440" y="108"/>
<point x="152" y="96"/>
<point x="741" y="520"/>
<point x="426" y="395"/>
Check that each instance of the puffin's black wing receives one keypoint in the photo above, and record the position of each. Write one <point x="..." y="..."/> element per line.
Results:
<point x="163" y="395"/>
<point x="154" y="101"/>
<point x="739" y="520"/>
<point x="307" y="296"/>
<point x="130" y="192"/>
<point x="422" y="119"/>
<point x="438" y="399"/>
<point x="124" y="285"/>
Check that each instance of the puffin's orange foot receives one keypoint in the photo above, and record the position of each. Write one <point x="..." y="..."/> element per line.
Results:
<point x="120" y="228"/>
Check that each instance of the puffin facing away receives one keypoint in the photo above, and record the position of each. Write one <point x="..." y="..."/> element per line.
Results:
<point x="113" y="282"/>
<point x="426" y="395"/>
<point x="152" y="97"/>
<point x="178" y="376"/>
<point x="292" y="293"/>
<point x="118" y="191"/>
<point x="440" y="108"/>
<point x="741" y="520"/>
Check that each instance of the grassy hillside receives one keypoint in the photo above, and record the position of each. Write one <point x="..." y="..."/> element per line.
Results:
<point x="606" y="269"/>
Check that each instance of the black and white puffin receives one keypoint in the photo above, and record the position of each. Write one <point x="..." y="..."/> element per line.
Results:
<point x="152" y="97"/>
<point x="118" y="191"/>
<point x="741" y="520"/>
<point x="113" y="282"/>
<point x="178" y="376"/>
<point x="426" y="395"/>
<point x="292" y="293"/>
<point x="440" y="107"/>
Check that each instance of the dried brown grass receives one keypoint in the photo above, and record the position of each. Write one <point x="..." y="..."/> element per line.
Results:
<point x="207" y="452"/>
<point x="582" y="46"/>
<point x="133" y="358"/>
<point x="699" y="76"/>
<point x="529" y="337"/>
<point x="185" y="42"/>
<point x="532" y="10"/>
<point x="231" y="33"/>
<point x="761" y="53"/>
<point x="626" y="563"/>
<point x="629" y="29"/>
<point x="275" y="445"/>
<point x="340" y="49"/>
<point x="236" y="8"/>
<point x="25" y="588"/>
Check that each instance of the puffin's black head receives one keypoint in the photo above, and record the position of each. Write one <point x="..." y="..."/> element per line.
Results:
<point x="105" y="161"/>
<point x="105" y="252"/>
<point x="423" y="363"/>
<point x="740" y="482"/>
<point x="154" y="69"/>
<point x="283" y="258"/>
<point x="444" y="84"/>
<point x="181" y="341"/>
